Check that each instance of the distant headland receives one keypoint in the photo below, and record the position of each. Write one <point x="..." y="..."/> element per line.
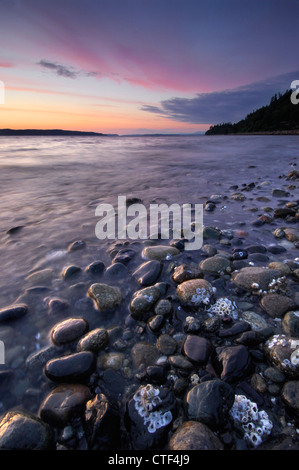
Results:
<point x="51" y="132"/>
<point x="280" y="116"/>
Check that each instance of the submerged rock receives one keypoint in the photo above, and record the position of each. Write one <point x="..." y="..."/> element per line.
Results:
<point x="209" y="402"/>
<point x="20" y="430"/>
<point x="195" y="293"/>
<point x="276" y="305"/>
<point x="160" y="252"/>
<point x="14" y="312"/>
<point x="215" y="265"/>
<point x="105" y="296"/>
<point x="192" y="435"/>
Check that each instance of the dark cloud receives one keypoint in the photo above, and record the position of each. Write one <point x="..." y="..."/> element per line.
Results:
<point x="64" y="71"/>
<point x="223" y="106"/>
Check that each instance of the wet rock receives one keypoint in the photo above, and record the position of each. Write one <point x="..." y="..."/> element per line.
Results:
<point x="163" y="307"/>
<point x="258" y="383"/>
<point x="211" y="325"/>
<point x="94" y="341"/>
<point x="75" y="367"/>
<point x="195" y="293"/>
<point x="256" y="321"/>
<point x="258" y="258"/>
<point x="274" y="375"/>
<point x="197" y="349"/>
<point x="166" y="345"/>
<point x="143" y="301"/>
<point x="238" y="197"/>
<point x="234" y="362"/>
<point x="284" y="269"/>
<point x="191" y="325"/>
<point x="76" y="245"/>
<point x="283" y="212"/>
<point x="209" y="402"/>
<point x="211" y="232"/>
<point x="276" y="250"/>
<point x="39" y="277"/>
<point x="185" y="272"/>
<point x="147" y="273"/>
<point x="180" y="362"/>
<point x="95" y="268"/>
<point x="248" y="277"/>
<point x="105" y="296"/>
<point x="64" y="403"/>
<point x="14" y="312"/>
<point x="192" y="435"/>
<point x="290" y="395"/>
<point x="291" y="234"/>
<point x="279" y="233"/>
<point x="256" y="249"/>
<point x="156" y="322"/>
<point x="38" y="359"/>
<point x="290" y="323"/>
<point x="276" y="305"/>
<point x="239" y="254"/>
<point x="70" y="272"/>
<point x="115" y="271"/>
<point x="111" y="360"/>
<point x="68" y="330"/>
<point x="57" y="305"/>
<point x="215" y="265"/>
<point x="238" y="328"/>
<point x="160" y="252"/>
<point x="20" y="430"/>
<point x="283" y="352"/>
<point x="280" y="193"/>
<point x="146" y="429"/>
<point x="102" y="427"/>
<point x="249" y="338"/>
<point x="145" y="354"/>
<point x="124" y="256"/>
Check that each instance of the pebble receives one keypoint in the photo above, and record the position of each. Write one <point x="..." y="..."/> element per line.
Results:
<point x="192" y="435"/>
<point x="63" y="403"/>
<point x="274" y="375"/>
<point x="166" y="344"/>
<point x="111" y="360"/>
<point x="160" y="252"/>
<point x="185" y="272"/>
<point x="143" y="301"/>
<point x="215" y="265"/>
<point x="39" y="277"/>
<point x="248" y="277"/>
<point x="234" y="361"/>
<point x="195" y="292"/>
<point x="68" y="330"/>
<point x="209" y="403"/>
<point x="14" y="312"/>
<point x="105" y="296"/>
<point x="95" y="340"/>
<point x="76" y="245"/>
<point x="180" y="362"/>
<point x="290" y="394"/>
<point x="276" y="305"/>
<point x="156" y="322"/>
<point x="197" y="349"/>
<point x="283" y="353"/>
<point x="70" y="271"/>
<point x="145" y="354"/>
<point x="95" y="268"/>
<point x="256" y="321"/>
<point x="290" y="323"/>
<point x="74" y="367"/>
<point x="147" y="273"/>
<point x="163" y="307"/>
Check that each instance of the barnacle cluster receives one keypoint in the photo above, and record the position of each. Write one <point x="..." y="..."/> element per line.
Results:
<point x="292" y="344"/>
<point x="255" y="424"/>
<point x="277" y="285"/>
<point x="146" y="401"/>
<point x="224" y="307"/>
<point x="203" y="296"/>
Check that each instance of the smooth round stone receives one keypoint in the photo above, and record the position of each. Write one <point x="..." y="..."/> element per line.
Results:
<point x="248" y="276"/>
<point x="215" y="265"/>
<point x="147" y="273"/>
<point x="180" y="362"/>
<point x="156" y="322"/>
<point x="290" y="323"/>
<point x="68" y="330"/>
<point x="197" y="349"/>
<point x="166" y="345"/>
<point x="39" y="277"/>
<point x="63" y="403"/>
<point x="57" y="305"/>
<point x="110" y="360"/>
<point x="72" y="368"/>
<point x="94" y="341"/>
<point x="14" y="312"/>
<point x="290" y="394"/>
<point x="96" y="267"/>
<point x="143" y="301"/>
<point x="276" y="249"/>
<point x="21" y="430"/>
<point x="291" y="234"/>
<point x="276" y="305"/>
<point x="105" y="296"/>
<point x="258" y="258"/>
<point x="209" y="250"/>
<point x="160" y="252"/>
<point x="192" y="435"/>
<point x="116" y="271"/>
<point x="76" y="245"/>
<point x="209" y="403"/>
<point x="163" y="307"/>
<point x="195" y="292"/>
<point x="256" y="321"/>
<point x="185" y="272"/>
<point x="256" y="249"/>
<point x="145" y="354"/>
<point x="273" y="374"/>
<point x="70" y="271"/>
<point x="282" y="267"/>
<point x="38" y="359"/>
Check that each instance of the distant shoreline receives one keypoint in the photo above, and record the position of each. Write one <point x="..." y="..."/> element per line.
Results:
<point x="50" y="132"/>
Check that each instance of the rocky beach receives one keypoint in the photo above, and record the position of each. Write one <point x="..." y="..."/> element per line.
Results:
<point x="141" y="344"/>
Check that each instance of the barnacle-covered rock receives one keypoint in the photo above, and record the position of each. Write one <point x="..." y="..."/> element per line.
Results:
<point x="255" y="278"/>
<point x="195" y="293"/>
<point x="224" y="307"/>
<point x="255" y="424"/>
<point x="283" y="352"/>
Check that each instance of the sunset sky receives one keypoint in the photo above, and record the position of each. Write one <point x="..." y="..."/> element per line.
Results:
<point x="143" y="66"/>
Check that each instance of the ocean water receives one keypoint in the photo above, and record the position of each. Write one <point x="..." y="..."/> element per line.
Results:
<point x="50" y="188"/>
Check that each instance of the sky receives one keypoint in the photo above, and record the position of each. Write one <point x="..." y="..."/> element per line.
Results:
<point x="143" y="66"/>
